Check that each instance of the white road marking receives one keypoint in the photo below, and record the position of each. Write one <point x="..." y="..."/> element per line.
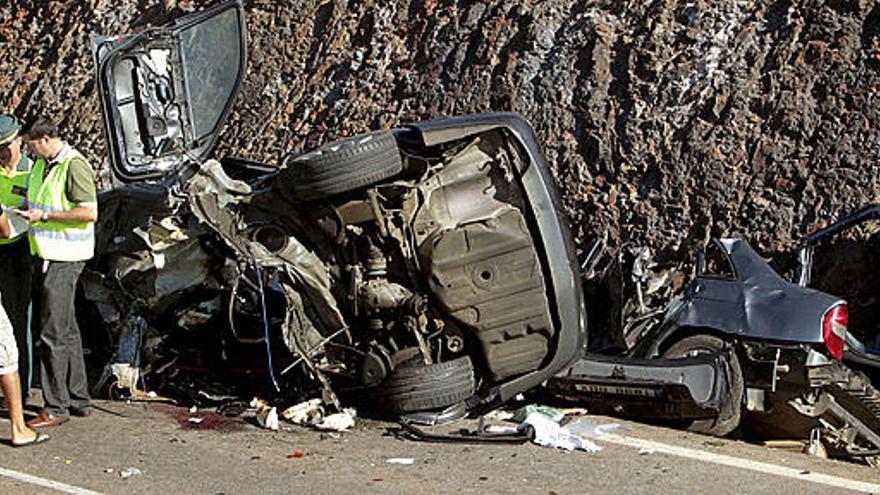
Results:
<point x="36" y="480"/>
<point x="737" y="462"/>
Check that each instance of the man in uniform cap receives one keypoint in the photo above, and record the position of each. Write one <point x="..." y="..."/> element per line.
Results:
<point x="15" y="265"/>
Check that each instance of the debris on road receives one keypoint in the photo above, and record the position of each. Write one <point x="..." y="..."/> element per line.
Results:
<point x="129" y="472"/>
<point x="500" y="414"/>
<point x="815" y="447"/>
<point x="551" y="413"/>
<point x="267" y="416"/>
<point x="405" y="461"/>
<point x="714" y="443"/>
<point x="548" y="433"/>
<point x="312" y="413"/>
<point x="338" y="421"/>
<point x="305" y="413"/>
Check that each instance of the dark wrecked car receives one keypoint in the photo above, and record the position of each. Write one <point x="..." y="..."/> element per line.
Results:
<point x="414" y="269"/>
<point x="783" y="346"/>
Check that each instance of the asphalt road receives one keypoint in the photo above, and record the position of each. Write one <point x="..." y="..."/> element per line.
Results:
<point x="219" y="455"/>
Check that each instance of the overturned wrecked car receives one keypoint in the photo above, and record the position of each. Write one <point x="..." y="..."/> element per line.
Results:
<point x="413" y="269"/>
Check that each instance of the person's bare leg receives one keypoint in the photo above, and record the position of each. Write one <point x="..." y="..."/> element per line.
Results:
<point x="11" y="386"/>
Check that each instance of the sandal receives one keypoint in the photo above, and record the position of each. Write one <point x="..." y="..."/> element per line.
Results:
<point x="38" y="438"/>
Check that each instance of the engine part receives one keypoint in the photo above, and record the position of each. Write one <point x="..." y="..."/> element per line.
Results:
<point x="375" y="366"/>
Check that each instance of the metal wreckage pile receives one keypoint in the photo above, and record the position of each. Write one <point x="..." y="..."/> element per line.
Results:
<point x="424" y="272"/>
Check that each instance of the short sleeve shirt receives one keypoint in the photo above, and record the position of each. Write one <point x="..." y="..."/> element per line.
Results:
<point x="81" y="182"/>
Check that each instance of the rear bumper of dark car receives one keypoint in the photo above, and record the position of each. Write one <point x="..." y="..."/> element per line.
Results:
<point x="689" y="388"/>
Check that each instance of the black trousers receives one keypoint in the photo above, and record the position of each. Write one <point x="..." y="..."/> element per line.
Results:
<point x="15" y="288"/>
<point x="62" y="365"/>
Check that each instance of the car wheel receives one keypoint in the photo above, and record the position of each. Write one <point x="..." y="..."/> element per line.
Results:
<point x="345" y="165"/>
<point x="415" y="386"/>
<point x="731" y="409"/>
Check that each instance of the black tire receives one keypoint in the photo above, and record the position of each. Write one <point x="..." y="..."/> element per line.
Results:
<point x="345" y="165"/>
<point x="418" y="387"/>
<point x="731" y="409"/>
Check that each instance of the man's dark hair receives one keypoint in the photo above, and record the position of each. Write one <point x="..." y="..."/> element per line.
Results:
<point x="40" y="128"/>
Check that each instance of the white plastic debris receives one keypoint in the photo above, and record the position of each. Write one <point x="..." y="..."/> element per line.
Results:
<point x="267" y="416"/>
<point x="305" y="413"/>
<point x="311" y="413"/>
<point x="196" y="420"/>
<point x="815" y="447"/>
<point x="337" y="422"/>
<point x="405" y="461"/>
<point x="193" y="409"/>
<point x="129" y="472"/>
<point x="498" y="415"/>
<point x="647" y="451"/>
<point x="549" y="434"/>
<point x="126" y="375"/>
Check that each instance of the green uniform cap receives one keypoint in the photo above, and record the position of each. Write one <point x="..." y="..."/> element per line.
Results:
<point x="9" y="127"/>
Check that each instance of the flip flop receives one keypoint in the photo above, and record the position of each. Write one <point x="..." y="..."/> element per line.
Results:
<point x="39" y="438"/>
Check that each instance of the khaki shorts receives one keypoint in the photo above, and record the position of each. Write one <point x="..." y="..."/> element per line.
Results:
<point x="8" y="349"/>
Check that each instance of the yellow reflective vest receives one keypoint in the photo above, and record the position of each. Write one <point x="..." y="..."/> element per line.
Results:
<point x="56" y="241"/>
<point x="13" y="189"/>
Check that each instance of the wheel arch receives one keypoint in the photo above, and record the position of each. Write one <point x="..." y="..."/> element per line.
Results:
<point x="673" y="335"/>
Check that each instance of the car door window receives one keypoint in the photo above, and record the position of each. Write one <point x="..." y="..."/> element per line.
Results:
<point x="211" y="84"/>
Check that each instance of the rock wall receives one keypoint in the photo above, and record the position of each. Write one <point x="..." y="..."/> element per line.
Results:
<point x="665" y="122"/>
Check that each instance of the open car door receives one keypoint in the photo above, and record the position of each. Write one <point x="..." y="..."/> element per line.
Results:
<point x="166" y="92"/>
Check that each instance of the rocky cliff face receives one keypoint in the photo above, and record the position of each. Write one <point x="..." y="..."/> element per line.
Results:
<point x="665" y="122"/>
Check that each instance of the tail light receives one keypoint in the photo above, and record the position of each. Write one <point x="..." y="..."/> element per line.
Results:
<point x="834" y="326"/>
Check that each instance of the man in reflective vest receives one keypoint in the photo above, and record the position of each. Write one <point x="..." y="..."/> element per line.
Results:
<point x="62" y="209"/>
<point x="15" y="266"/>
